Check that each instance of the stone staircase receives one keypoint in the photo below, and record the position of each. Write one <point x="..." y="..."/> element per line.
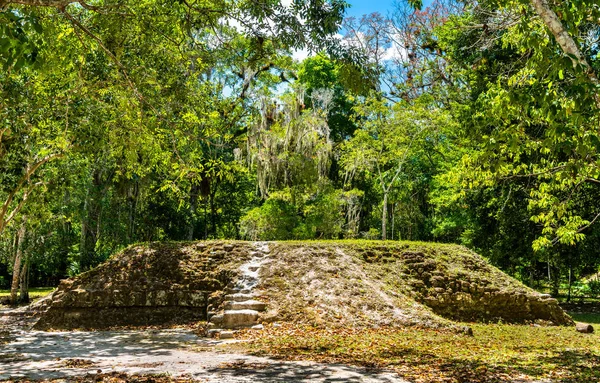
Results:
<point x="241" y="308"/>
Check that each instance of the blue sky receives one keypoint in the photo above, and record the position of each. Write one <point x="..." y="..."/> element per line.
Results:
<point x="364" y="7"/>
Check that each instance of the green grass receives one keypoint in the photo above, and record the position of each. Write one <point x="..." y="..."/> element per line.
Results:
<point x="591" y="318"/>
<point x="496" y="353"/>
<point x="34" y="292"/>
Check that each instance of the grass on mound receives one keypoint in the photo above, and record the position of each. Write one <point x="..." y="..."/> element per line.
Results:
<point x="496" y="352"/>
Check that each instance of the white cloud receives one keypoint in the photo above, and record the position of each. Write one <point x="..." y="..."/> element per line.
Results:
<point x="396" y="51"/>
<point x="301" y="54"/>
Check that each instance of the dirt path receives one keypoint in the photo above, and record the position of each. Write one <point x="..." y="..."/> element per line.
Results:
<point x="48" y="355"/>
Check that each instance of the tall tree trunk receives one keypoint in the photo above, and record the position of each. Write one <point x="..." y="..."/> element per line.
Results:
<point x="205" y="219"/>
<point x="213" y="215"/>
<point x="91" y="223"/>
<point x="570" y="283"/>
<point x="194" y="193"/>
<point x="84" y="229"/>
<point x="384" y="216"/>
<point x="133" y="199"/>
<point x="24" y="282"/>
<point x="393" y="220"/>
<point x="14" y="288"/>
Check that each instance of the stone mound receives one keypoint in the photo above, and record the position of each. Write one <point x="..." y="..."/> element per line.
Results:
<point x="363" y="283"/>
<point x="155" y="284"/>
<point x="337" y="283"/>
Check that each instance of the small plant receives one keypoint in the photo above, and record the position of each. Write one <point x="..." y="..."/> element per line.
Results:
<point x="594" y="287"/>
<point x="372" y="234"/>
<point x="580" y="289"/>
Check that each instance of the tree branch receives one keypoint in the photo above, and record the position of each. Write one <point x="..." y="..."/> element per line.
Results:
<point x="2" y="133"/>
<point x="582" y="228"/>
<point x="30" y="171"/>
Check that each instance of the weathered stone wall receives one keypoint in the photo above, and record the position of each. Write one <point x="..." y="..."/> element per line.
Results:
<point x="155" y="284"/>
<point x="173" y="283"/>
<point x="458" y="284"/>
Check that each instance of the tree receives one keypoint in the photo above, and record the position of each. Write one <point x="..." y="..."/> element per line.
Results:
<point x="388" y="140"/>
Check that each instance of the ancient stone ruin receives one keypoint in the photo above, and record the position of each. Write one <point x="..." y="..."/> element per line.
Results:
<point x="235" y="284"/>
<point x="156" y="284"/>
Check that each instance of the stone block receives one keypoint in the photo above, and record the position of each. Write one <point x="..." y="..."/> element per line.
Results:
<point x="239" y="318"/>
<point x="161" y="298"/>
<point x="138" y="298"/>
<point x="437" y="281"/>
<point x="584" y="328"/>
<point x="121" y="298"/>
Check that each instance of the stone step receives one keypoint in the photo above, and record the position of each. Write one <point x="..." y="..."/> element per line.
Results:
<point x="239" y="318"/>
<point x="238" y="297"/>
<point x="245" y="305"/>
<point x="217" y="319"/>
<point x="226" y="334"/>
<point x="220" y="333"/>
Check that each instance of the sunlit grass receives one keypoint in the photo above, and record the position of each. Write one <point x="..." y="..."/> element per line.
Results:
<point x="495" y="353"/>
<point x="592" y="318"/>
<point x="35" y="293"/>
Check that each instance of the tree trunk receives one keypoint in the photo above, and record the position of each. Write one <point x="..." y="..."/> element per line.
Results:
<point x="393" y="220"/>
<point x="91" y="223"/>
<point x="562" y="37"/>
<point x="570" y="283"/>
<point x="205" y="220"/>
<point x="384" y="216"/>
<point x="194" y="193"/>
<point x="555" y="282"/>
<point x="24" y="282"/>
<point x="84" y="228"/>
<point x="14" y="288"/>
<point x="133" y="199"/>
<point x="213" y="216"/>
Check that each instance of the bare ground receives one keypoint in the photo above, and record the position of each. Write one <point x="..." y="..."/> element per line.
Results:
<point x="38" y="355"/>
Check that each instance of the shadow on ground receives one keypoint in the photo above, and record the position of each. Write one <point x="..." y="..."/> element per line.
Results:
<point x="274" y="371"/>
<point x="72" y="355"/>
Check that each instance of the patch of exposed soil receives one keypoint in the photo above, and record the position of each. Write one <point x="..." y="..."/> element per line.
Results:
<point x="157" y="356"/>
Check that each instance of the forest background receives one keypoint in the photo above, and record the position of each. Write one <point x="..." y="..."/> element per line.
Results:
<point x="133" y="121"/>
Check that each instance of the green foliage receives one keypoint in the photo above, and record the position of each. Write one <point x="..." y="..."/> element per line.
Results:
<point x="19" y="39"/>
<point x="275" y="219"/>
<point x="532" y="113"/>
<point x="289" y="215"/>
<point x="133" y="102"/>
